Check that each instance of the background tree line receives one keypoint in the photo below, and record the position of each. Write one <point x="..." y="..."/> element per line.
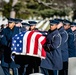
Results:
<point x="44" y="8"/>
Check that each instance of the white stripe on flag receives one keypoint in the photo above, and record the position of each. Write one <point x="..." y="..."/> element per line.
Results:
<point x="32" y="42"/>
<point x="25" y="42"/>
<point x="40" y="45"/>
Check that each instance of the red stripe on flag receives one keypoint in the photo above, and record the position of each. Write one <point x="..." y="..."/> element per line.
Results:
<point x="44" y="40"/>
<point x="43" y="53"/>
<point x="28" y="41"/>
<point x="36" y="44"/>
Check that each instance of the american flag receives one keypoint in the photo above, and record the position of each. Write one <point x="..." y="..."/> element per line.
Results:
<point x="29" y="43"/>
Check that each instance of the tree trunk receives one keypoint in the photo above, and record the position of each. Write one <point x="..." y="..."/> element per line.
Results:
<point x="13" y="13"/>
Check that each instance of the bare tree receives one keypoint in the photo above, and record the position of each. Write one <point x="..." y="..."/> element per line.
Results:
<point x="58" y="4"/>
<point x="13" y="13"/>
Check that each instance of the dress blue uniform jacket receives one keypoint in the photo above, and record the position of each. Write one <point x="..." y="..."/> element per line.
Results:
<point x="75" y="41"/>
<point x="53" y="60"/>
<point x="64" y="44"/>
<point x="6" y="40"/>
<point x="71" y="47"/>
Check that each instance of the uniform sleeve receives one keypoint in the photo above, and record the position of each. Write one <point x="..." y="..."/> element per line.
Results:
<point x="64" y="36"/>
<point x="56" y="42"/>
<point x="71" y="41"/>
<point x="3" y="38"/>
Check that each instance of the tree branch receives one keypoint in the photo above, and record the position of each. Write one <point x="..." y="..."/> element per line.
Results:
<point x="56" y="4"/>
<point x="51" y="5"/>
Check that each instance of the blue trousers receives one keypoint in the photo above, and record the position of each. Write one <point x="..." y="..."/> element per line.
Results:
<point x="44" y="71"/>
<point x="47" y="71"/>
<point x="55" y="72"/>
<point x="6" y="71"/>
<point x="22" y="70"/>
<point x="64" y="71"/>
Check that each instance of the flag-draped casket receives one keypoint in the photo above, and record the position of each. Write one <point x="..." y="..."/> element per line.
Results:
<point x="29" y="43"/>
